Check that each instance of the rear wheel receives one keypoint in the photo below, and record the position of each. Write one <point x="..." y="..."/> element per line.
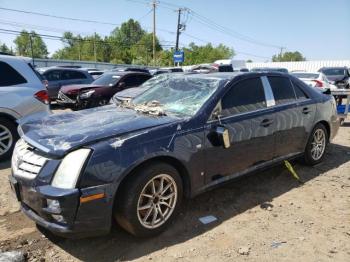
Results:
<point x="317" y="145"/>
<point x="8" y="138"/>
<point x="150" y="200"/>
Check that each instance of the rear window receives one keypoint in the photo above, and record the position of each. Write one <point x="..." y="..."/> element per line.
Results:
<point x="68" y="75"/>
<point x="282" y="89"/>
<point x="334" y="71"/>
<point x="306" y="75"/>
<point x="9" y="76"/>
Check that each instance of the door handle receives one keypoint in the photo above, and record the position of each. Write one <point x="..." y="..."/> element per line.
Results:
<point x="306" y="110"/>
<point x="266" y="122"/>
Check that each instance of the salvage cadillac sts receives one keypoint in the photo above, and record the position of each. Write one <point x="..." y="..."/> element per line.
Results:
<point x="133" y="162"/>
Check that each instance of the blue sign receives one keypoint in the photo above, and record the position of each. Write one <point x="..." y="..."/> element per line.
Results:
<point x="179" y="56"/>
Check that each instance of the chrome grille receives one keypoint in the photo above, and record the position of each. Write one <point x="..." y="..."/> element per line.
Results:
<point x="25" y="162"/>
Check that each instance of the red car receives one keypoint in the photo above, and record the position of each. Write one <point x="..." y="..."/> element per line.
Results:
<point x="100" y="91"/>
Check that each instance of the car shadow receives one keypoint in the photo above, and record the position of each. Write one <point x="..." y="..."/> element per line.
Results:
<point x="5" y="165"/>
<point x="224" y="203"/>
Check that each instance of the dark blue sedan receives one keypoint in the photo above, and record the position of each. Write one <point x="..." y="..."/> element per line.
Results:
<point x="134" y="161"/>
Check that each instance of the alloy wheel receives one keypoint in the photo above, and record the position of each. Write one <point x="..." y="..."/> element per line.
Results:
<point x="6" y="139"/>
<point x="157" y="201"/>
<point x="318" y="144"/>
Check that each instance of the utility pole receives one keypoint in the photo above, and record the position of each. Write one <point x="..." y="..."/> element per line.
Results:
<point x="31" y="47"/>
<point x="178" y="29"/>
<point x="154" y="5"/>
<point x="281" y="53"/>
<point x="79" y="48"/>
<point x="95" y="55"/>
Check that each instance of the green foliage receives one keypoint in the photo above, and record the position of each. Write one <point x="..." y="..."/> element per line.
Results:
<point x="288" y="57"/>
<point x="127" y="44"/>
<point x="24" y="45"/>
<point x="5" y="49"/>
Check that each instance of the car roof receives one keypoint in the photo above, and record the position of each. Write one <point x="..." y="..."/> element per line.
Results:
<point x="122" y="73"/>
<point x="44" y="69"/>
<point x="306" y="72"/>
<point x="334" y="67"/>
<point x="15" y="58"/>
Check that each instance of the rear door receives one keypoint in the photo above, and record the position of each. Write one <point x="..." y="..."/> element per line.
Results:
<point x="290" y="116"/>
<point x="249" y="118"/>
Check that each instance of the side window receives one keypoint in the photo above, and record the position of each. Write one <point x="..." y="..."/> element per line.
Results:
<point x="132" y="80"/>
<point x="53" y="75"/>
<point x="68" y="75"/>
<point x="143" y="78"/>
<point x="9" y="76"/>
<point x="299" y="91"/>
<point x="247" y="95"/>
<point x="282" y="89"/>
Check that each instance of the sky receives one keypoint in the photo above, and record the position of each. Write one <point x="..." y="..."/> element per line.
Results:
<point x="319" y="29"/>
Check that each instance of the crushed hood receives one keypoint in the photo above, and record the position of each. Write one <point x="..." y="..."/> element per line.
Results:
<point x="69" y="88"/>
<point x="59" y="133"/>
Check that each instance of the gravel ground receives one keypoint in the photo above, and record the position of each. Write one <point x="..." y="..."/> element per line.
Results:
<point x="268" y="216"/>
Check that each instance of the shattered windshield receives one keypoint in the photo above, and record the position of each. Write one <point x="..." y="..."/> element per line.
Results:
<point x="107" y="80"/>
<point x="177" y="94"/>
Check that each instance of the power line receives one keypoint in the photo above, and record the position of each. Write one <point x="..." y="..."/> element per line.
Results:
<point x="64" y="39"/>
<point x="236" y="51"/>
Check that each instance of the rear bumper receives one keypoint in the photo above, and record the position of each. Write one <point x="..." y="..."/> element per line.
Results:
<point x="71" y="219"/>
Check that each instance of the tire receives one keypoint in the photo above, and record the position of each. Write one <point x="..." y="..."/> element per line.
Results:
<point x="130" y="198"/>
<point x="310" y="156"/>
<point x="8" y="138"/>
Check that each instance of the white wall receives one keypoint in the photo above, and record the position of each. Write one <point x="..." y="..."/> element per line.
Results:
<point x="311" y="66"/>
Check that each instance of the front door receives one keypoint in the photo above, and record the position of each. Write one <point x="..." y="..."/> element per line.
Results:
<point x="245" y="113"/>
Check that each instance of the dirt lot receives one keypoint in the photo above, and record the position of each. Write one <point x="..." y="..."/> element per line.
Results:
<point x="268" y="216"/>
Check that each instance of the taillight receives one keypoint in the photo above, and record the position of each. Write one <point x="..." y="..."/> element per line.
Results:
<point x="318" y="83"/>
<point x="42" y="96"/>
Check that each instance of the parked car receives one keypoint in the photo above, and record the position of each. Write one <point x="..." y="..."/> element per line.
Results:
<point x="21" y="93"/>
<point x="100" y="91"/>
<point x="269" y="69"/>
<point x="165" y="70"/>
<point x="132" y="69"/>
<point x="60" y="76"/>
<point x="96" y="74"/>
<point x="339" y="76"/>
<point x="317" y="80"/>
<point x="204" y="69"/>
<point x="134" y="162"/>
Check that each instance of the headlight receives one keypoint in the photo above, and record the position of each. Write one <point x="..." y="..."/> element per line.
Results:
<point x="68" y="172"/>
<point x="86" y="94"/>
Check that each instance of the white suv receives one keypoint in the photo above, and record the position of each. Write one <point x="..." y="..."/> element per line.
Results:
<point x="21" y="93"/>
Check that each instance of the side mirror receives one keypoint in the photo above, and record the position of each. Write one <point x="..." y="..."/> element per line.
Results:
<point x="327" y="92"/>
<point x="223" y="136"/>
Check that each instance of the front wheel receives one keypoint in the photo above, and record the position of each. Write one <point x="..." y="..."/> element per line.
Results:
<point x="317" y="145"/>
<point x="149" y="200"/>
<point x="8" y="138"/>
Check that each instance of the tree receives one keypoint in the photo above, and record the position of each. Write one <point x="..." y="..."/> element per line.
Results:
<point x="195" y="54"/>
<point x="142" y="51"/>
<point x="288" y="57"/>
<point x="24" y="46"/>
<point x="5" y="49"/>
<point x="249" y="61"/>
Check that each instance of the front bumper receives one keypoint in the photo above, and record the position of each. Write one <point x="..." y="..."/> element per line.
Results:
<point x="79" y="219"/>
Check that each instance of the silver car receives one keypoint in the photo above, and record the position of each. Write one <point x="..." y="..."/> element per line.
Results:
<point x="59" y="76"/>
<point x="21" y="93"/>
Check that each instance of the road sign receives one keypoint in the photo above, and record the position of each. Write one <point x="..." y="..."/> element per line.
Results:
<point x="179" y="56"/>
